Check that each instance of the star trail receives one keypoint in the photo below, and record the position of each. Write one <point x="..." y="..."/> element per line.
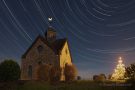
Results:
<point x="99" y="31"/>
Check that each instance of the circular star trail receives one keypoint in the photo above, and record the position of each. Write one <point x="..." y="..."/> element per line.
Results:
<point x="98" y="30"/>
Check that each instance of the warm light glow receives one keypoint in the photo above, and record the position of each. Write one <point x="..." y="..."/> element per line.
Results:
<point x="119" y="71"/>
<point x="120" y="60"/>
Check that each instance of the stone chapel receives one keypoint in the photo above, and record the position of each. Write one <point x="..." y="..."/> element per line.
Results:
<point x="45" y="49"/>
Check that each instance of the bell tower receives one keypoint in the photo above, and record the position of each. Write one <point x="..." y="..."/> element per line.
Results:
<point x="50" y="34"/>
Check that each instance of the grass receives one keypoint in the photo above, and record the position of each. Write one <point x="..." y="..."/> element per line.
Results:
<point x="76" y="85"/>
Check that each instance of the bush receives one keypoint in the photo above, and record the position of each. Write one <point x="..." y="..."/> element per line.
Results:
<point x="102" y="77"/>
<point x="70" y="72"/>
<point x="130" y="72"/>
<point x="43" y="72"/>
<point x="130" y="75"/>
<point x="95" y="77"/>
<point x="55" y="74"/>
<point x="99" y="78"/>
<point x="78" y="77"/>
<point x="109" y="76"/>
<point x="9" y="70"/>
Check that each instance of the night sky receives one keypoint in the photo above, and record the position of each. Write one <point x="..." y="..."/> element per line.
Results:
<point x="98" y="31"/>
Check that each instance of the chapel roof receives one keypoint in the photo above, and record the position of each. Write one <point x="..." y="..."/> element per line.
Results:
<point x="56" y="46"/>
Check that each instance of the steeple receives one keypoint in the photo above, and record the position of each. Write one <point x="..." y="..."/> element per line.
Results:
<point x="50" y="34"/>
<point x="50" y="19"/>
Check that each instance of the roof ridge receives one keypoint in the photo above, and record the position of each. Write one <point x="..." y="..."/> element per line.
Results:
<point x="56" y="46"/>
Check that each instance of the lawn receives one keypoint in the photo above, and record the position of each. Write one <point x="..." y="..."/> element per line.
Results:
<point x="76" y="85"/>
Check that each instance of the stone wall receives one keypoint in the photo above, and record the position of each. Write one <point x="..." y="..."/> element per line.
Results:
<point x="33" y="58"/>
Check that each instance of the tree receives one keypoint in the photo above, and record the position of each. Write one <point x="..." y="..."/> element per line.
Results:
<point x="70" y="72"/>
<point x="130" y="72"/>
<point x="109" y="76"/>
<point x="100" y="77"/>
<point x="43" y="72"/>
<point x="78" y="77"/>
<point x="119" y="72"/>
<point x="9" y="70"/>
<point x="55" y="74"/>
<point x="130" y="75"/>
<point x="95" y="77"/>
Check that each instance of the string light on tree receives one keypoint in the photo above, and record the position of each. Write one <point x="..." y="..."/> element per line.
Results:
<point x="119" y="71"/>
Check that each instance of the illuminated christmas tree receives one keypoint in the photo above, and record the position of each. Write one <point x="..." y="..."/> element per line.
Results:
<point x="119" y="71"/>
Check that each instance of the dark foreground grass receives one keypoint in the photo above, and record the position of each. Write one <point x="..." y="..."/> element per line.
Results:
<point x="77" y="85"/>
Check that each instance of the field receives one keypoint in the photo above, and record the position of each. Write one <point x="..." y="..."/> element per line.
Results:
<point x="76" y="85"/>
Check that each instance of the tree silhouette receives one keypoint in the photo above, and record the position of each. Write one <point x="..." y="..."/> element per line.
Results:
<point x="9" y="70"/>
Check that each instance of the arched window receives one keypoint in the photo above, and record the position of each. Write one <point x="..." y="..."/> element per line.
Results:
<point x="40" y="48"/>
<point x="30" y="71"/>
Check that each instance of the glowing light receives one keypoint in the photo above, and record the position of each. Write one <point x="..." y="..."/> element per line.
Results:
<point x="120" y="60"/>
<point x="50" y="19"/>
<point x="119" y="71"/>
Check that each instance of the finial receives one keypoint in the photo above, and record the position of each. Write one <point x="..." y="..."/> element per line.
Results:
<point x="50" y="19"/>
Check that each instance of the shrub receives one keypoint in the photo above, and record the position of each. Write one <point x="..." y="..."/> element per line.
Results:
<point x="95" y="77"/>
<point x="130" y="75"/>
<point x="102" y="77"/>
<point x="43" y="72"/>
<point x="78" y="77"/>
<point x="130" y="72"/>
<point x="99" y="78"/>
<point x="109" y="76"/>
<point x="55" y="74"/>
<point x="70" y="72"/>
<point x="9" y="70"/>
